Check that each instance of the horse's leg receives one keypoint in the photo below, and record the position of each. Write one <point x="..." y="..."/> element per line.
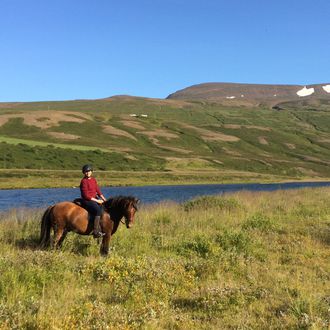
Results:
<point x="59" y="232"/>
<point x="104" y="249"/>
<point x="60" y="241"/>
<point x="115" y="227"/>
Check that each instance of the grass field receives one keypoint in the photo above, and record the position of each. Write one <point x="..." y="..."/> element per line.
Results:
<point x="241" y="261"/>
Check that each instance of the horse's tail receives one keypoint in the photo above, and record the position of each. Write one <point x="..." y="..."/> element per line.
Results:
<point x="45" y="228"/>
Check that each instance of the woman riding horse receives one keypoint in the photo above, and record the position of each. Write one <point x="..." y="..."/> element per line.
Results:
<point x="92" y="198"/>
<point x="67" y="216"/>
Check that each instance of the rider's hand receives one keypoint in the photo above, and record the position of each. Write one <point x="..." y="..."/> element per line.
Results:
<point x="100" y="201"/>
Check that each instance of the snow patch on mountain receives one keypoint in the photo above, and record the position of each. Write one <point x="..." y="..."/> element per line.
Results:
<point x="305" y="91"/>
<point x="326" y="88"/>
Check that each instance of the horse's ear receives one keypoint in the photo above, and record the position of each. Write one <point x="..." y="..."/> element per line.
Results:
<point x="136" y="202"/>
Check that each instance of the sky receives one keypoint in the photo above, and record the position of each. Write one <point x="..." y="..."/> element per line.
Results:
<point x="78" y="49"/>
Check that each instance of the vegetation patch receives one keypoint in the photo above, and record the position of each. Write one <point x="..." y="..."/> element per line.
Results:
<point x="117" y="132"/>
<point x="39" y="157"/>
<point x="233" y="240"/>
<point x="206" y="202"/>
<point x="260" y="221"/>
<point x="44" y="119"/>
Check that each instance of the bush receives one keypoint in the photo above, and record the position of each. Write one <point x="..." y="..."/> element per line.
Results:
<point x="200" y="245"/>
<point x="206" y="202"/>
<point x="236" y="241"/>
<point x="260" y="222"/>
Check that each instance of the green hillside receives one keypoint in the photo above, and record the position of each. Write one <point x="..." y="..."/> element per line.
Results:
<point x="167" y="136"/>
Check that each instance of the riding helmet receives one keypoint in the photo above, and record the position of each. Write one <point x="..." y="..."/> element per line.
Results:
<point x="87" y="168"/>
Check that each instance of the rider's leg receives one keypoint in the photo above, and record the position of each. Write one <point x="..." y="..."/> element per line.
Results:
<point x="96" y="210"/>
<point x="97" y="228"/>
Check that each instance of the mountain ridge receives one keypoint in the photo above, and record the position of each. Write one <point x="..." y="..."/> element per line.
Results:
<point x="251" y="94"/>
<point x="225" y="93"/>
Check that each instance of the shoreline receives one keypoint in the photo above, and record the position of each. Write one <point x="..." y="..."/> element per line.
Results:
<point x="44" y="179"/>
<point x="180" y="184"/>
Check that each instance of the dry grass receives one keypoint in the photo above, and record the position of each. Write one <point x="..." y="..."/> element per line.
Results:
<point x="290" y="146"/>
<point x="188" y="163"/>
<point x="153" y="135"/>
<point x="46" y="119"/>
<point x="235" y="126"/>
<point x="175" y="149"/>
<point x="208" y="135"/>
<point x="262" y="140"/>
<point x="117" y="132"/>
<point x="133" y="124"/>
<point x="63" y="136"/>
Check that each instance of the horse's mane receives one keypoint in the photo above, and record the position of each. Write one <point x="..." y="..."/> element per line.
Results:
<point x="120" y="202"/>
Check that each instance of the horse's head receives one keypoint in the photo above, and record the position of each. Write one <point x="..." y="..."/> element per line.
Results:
<point x="123" y="206"/>
<point x="131" y="209"/>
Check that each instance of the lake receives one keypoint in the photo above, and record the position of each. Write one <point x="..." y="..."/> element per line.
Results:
<point x="39" y="198"/>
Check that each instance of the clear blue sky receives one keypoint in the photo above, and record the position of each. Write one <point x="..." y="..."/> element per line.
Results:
<point x="73" y="49"/>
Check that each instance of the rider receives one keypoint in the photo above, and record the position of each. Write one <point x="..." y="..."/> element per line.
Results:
<point x="92" y="198"/>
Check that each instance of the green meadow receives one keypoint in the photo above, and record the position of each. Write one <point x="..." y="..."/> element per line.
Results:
<point x="240" y="261"/>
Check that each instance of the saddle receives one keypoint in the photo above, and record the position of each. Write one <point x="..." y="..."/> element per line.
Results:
<point x="80" y="202"/>
<point x="95" y="221"/>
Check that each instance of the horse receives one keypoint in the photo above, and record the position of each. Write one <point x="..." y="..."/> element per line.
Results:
<point x="64" y="217"/>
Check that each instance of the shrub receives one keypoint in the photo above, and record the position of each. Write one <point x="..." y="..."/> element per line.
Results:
<point x="199" y="245"/>
<point x="304" y="211"/>
<point x="237" y="241"/>
<point x="206" y="202"/>
<point x="260" y="222"/>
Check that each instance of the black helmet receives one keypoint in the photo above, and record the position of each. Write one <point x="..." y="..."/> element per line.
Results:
<point x="87" y="168"/>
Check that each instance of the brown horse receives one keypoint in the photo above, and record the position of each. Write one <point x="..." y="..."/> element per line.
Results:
<point x="68" y="216"/>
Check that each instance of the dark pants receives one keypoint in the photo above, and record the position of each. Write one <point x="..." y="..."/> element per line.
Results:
<point x="93" y="207"/>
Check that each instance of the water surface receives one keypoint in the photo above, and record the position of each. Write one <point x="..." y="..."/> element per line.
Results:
<point x="36" y="198"/>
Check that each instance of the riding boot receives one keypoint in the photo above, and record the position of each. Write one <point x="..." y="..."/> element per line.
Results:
<point x="97" y="228"/>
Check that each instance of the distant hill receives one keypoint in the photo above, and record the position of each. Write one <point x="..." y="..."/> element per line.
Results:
<point x="209" y="127"/>
<point x="252" y="94"/>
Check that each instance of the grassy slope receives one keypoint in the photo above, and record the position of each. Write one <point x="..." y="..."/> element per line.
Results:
<point x="249" y="260"/>
<point x="292" y="143"/>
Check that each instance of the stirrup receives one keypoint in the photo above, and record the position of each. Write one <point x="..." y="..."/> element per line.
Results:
<point x="98" y="234"/>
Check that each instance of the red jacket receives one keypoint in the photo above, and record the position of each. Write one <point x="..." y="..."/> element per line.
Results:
<point x="89" y="188"/>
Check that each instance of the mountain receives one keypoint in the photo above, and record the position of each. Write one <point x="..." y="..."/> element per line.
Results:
<point x="252" y="94"/>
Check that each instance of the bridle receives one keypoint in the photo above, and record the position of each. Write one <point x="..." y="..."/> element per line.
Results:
<point x="121" y="220"/>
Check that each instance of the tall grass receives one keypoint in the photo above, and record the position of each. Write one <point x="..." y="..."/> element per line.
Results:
<point x="242" y="261"/>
